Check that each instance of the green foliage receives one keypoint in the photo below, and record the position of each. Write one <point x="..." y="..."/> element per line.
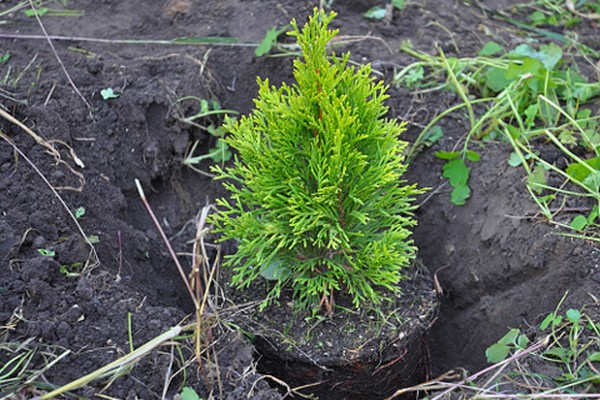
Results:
<point x="79" y="212"/>
<point x="46" y="252"/>
<point x="499" y="351"/>
<point x="376" y="13"/>
<point x="50" y="12"/>
<point x="269" y="40"/>
<point x="530" y="94"/>
<point x="317" y="202"/>
<point x="575" y="346"/>
<point x="189" y="394"/>
<point x="379" y="13"/>
<point x="457" y="173"/>
<point x="206" y="120"/>
<point x="558" y="12"/>
<point x="570" y="341"/>
<point x="109" y="93"/>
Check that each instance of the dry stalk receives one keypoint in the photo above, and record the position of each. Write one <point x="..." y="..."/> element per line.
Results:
<point x="198" y="284"/>
<point x="48" y="145"/>
<point x="93" y="255"/>
<point x="62" y="65"/>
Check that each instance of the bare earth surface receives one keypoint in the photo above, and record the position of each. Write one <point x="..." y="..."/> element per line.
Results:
<point x="499" y="265"/>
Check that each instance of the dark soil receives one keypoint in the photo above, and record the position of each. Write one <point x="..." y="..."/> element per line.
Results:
<point x="499" y="264"/>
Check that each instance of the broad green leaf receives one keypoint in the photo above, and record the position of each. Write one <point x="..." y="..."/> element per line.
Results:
<point x="217" y="131"/>
<point x="558" y="353"/>
<point x="460" y="194"/>
<point x="375" y="13"/>
<point x="447" y="155"/>
<point x="510" y="337"/>
<point x="473" y="156"/>
<point x="537" y="177"/>
<point x="41" y="11"/>
<point x="567" y="137"/>
<point x="594" y="357"/>
<point x="497" y="80"/>
<point x="547" y="321"/>
<point x="514" y="132"/>
<point x="537" y="17"/>
<point x="189" y="394"/>
<point x="580" y="172"/>
<point x="433" y="135"/>
<point x="530" y="66"/>
<point x="4" y="57"/>
<point x="522" y="51"/>
<point x="490" y="49"/>
<point x="592" y="182"/>
<point x="585" y="92"/>
<point x="530" y="114"/>
<point x="204" y="106"/>
<point x="496" y="353"/>
<point x="579" y="223"/>
<point x="574" y="316"/>
<point x="108" y="93"/>
<point x="522" y="341"/>
<point x="549" y="55"/>
<point x="514" y="160"/>
<point x="557" y="321"/>
<point x="456" y="172"/>
<point x="269" y="41"/>
<point x="399" y="4"/>
<point x="273" y="271"/>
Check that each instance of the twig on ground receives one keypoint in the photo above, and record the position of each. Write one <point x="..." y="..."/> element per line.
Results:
<point x="167" y="243"/>
<point x="93" y="253"/>
<point x="62" y="65"/>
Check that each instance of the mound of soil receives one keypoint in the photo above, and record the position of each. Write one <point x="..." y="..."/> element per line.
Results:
<point x="499" y="264"/>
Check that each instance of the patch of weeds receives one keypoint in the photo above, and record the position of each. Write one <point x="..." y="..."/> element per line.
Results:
<point x="22" y="373"/>
<point x="574" y="345"/>
<point x="207" y="119"/>
<point x="533" y="98"/>
<point x="11" y="78"/>
<point x="563" y="363"/>
<point x="379" y="13"/>
<point x="558" y="12"/>
<point x="71" y="270"/>
<point x="514" y="340"/>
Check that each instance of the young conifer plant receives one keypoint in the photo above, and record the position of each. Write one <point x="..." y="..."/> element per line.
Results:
<point x="317" y="200"/>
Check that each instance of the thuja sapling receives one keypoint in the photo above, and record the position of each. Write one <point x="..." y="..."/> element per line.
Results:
<point x="317" y="200"/>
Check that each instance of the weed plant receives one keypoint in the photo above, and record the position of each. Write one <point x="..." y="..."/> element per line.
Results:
<point x="317" y="201"/>
<point x="571" y="344"/>
<point x="533" y="97"/>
